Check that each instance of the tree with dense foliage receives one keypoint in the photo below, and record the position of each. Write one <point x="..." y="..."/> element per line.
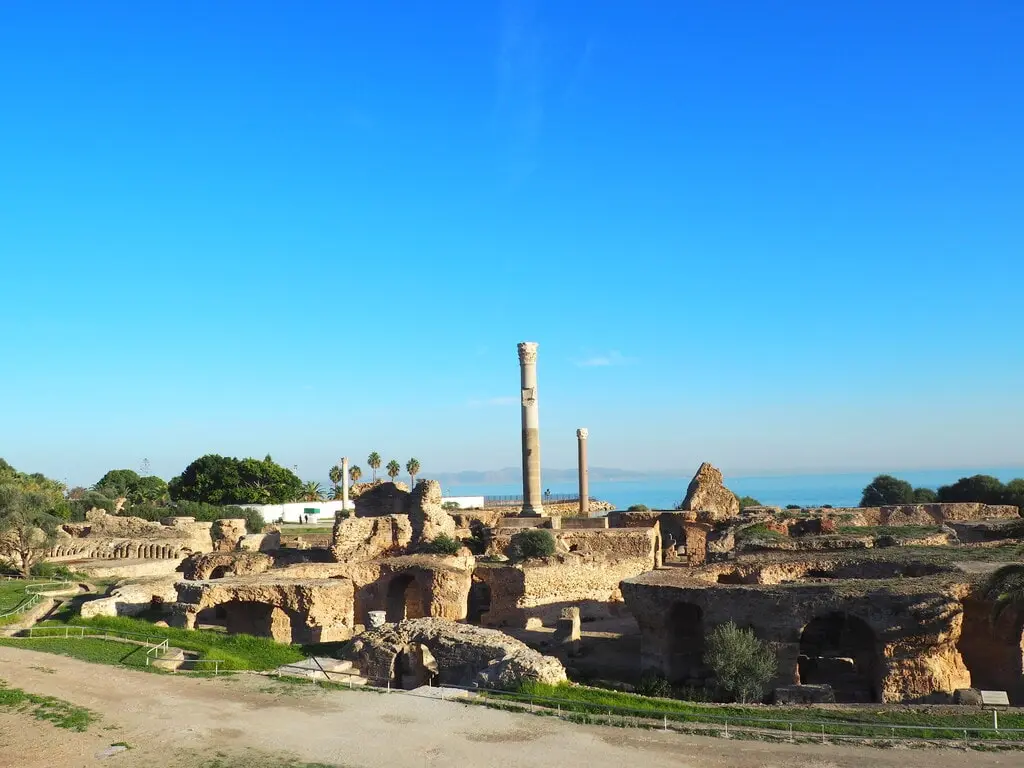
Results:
<point x="354" y="473"/>
<point x="128" y="484"/>
<point x="373" y="460"/>
<point x="27" y="529"/>
<point x="983" y="489"/>
<point x="412" y="466"/>
<point x="749" y="501"/>
<point x="217" y="479"/>
<point x="311" y="491"/>
<point x="638" y="508"/>
<point x="925" y="496"/>
<point x="886" y="490"/>
<point x="394" y="469"/>
<point x="533" y="542"/>
<point x="742" y="664"/>
<point x="52" y="490"/>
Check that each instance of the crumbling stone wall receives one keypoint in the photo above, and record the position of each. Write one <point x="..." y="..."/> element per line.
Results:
<point x="104" y="536"/>
<point x="227" y="533"/>
<point x="358" y="539"/>
<point x="216" y="565"/>
<point x="464" y="655"/>
<point x="914" y="626"/>
<point x="287" y="610"/>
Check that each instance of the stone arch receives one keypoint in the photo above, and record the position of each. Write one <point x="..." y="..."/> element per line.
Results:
<point x="248" y="617"/>
<point x="404" y="598"/>
<point x="686" y="643"/>
<point x="841" y="650"/>
<point x="479" y="600"/>
<point x="220" y="572"/>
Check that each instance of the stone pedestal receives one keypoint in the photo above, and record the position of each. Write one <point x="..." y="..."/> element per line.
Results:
<point x="581" y="438"/>
<point x="533" y="505"/>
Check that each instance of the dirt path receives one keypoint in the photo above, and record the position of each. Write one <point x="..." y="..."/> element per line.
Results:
<point x="249" y="720"/>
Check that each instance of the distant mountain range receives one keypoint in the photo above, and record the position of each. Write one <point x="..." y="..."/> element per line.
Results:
<point x="510" y="475"/>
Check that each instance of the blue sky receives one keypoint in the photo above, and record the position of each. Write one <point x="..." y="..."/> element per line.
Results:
<point x="774" y="236"/>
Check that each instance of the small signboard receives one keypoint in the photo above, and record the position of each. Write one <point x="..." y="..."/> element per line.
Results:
<point x="994" y="699"/>
<point x="311" y="511"/>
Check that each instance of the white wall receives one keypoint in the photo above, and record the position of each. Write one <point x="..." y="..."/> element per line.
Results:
<point x="292" y="512"/>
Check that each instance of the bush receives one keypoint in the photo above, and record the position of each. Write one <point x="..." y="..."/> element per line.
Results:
<point x="743" y="665"/>
<point x="748" y="501"/>
<point x="655" y="685"/>
<point x="442" y="545"/>
<point x="886" y="490"/>
<point x="201" y="511"/>
<point x="535" y="542"/>
<point x="639" y="508"/>
<point x="451" y="506"/>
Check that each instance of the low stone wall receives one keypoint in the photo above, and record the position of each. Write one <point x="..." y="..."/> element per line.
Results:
<point x="217" y="565"/>
<point x="131" y="599"/>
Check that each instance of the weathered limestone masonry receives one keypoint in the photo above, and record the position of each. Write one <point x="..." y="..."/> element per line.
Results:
<point x="532" y="495"/>
<point x="107" y="537"/>
<point x="217" y="565"/>
<point x="461" y="654"/>
<point x="227" y="533"/>
<point x="288" y="610"/>
<point x="586" y="572"/>
<point x="875" y="628"/>
<point x="707" y="494"/>
<point x="411" y="587"/>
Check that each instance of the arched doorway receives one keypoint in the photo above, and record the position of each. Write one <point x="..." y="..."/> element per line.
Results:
<point x="243" y="617"/>
<point x="686" y="644"/>
<point x="479" y="601"/>
<point x="220" y="572"/>
<point x="841" y="650"/>
<point x="404" y="600"/>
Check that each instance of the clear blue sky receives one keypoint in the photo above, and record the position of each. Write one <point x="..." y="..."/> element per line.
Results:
<point x="776" y="236"/>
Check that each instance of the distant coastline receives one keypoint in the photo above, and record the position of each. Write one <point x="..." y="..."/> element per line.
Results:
<point x="663" y="490"/>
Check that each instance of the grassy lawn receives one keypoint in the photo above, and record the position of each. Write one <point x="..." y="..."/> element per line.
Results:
<point x="13" y="593"/>
<point x="237" y="652"/>
<point x="61" y="713"/>
<point x="838" y="721"/>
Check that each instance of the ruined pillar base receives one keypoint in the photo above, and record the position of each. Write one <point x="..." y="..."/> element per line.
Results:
<point x="533" y="512"/>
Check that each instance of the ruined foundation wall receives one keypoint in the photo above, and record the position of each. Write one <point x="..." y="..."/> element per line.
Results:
<point x="109" y="537"/>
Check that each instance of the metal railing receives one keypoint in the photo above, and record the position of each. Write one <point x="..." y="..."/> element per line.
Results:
<point x="32" y="594"/>
<point x="153" y="645"/>
<point x="517" y="501"/>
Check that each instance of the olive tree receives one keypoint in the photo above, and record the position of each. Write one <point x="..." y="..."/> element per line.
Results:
<point x="27" y="529"/>
<point x="742" y="664"/>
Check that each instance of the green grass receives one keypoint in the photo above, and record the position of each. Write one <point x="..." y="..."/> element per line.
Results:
<point x="86" y="649"/>
<point x="13" y="594"/>
<point x="760" y="532"/>
<point x="61" y="713"/>
<point x="896" y="531"/>
<point x="238" y="652"/>
<point x="838" y="721"/>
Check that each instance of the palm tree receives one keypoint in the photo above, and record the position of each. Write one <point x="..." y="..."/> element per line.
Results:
<point x="393" y="468"/>
<point x="311" y="491"/>
<point x="354" y="472"/>
<point x="412" y="466"/>
<point x="374" y="461"/>
<point x="338" y="493"/>
<point x="335" y="476"/>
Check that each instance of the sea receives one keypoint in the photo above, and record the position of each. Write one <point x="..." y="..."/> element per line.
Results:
<point x="810" y="490"/>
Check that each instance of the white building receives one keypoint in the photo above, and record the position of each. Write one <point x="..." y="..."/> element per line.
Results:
<point x="324" y="511"/>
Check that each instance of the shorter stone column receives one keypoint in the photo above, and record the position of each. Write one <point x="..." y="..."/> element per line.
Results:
<point x="581" y="437"/>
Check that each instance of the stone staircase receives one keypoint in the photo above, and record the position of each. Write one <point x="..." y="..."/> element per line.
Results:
<point x="324" y="668"/>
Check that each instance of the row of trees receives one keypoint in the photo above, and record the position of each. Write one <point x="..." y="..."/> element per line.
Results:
<point x="393" y="468"/>
<point x="887" y="490"/>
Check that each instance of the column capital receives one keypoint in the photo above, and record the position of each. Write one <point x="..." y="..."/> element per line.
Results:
<point x="528" y="352"/>
<point x="582" y="433"/>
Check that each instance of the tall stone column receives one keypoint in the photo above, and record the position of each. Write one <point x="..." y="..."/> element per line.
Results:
<point x="533" y="505"/>
<point x="344" y="482"/>
<point x="581" y="437"/>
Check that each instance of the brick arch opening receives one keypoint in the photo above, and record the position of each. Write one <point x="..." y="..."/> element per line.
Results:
<point x="404" y="599"/>
<point x="841" y="650"/>
<point x="220" y="572"/>
<point x="479" y="601"/>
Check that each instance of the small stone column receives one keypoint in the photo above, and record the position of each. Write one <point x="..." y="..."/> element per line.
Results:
<point x="581" y="438"/>
<point x="344" y="482"/>
<point x="533" y="505"/>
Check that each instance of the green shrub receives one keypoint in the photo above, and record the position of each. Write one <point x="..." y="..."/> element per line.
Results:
<point x="743" y="665"/>
<point x="451" y="506"/>
<point x="654" y="685"/>
<point x="749" y="501"/>
<point x="639" y="508"/>
<point x="535" y="542"/>
<point x="442" y="545"/>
